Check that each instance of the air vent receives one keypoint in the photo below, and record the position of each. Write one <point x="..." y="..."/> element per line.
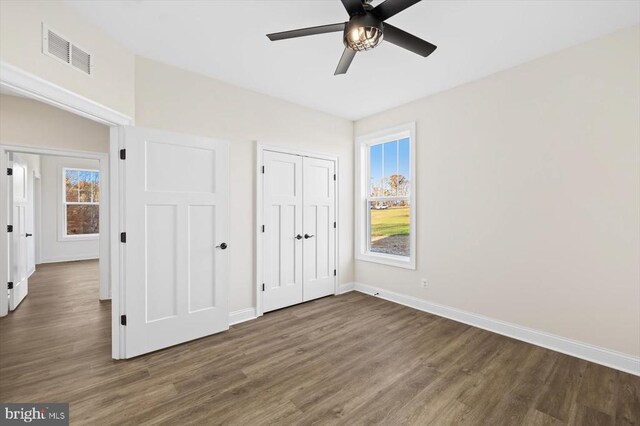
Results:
<point x="81" y="59"/>
<point x="58" y="46"/>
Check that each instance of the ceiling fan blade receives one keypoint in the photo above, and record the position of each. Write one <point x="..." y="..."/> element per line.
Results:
<point x="302" y="32"/>
<point x="407" y="41"/>
<point x="390" y="7"/>
<point x="354" y="7"/>
<point x="345" y="61"/>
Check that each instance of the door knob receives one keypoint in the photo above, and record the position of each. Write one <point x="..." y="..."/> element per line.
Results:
<point x="307" y="236"/>
<point x="222" y="246"/>
<point x="28" y="235"/>
<point x="298" y="237"/>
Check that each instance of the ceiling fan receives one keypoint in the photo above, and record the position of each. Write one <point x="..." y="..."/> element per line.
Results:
<point x="365" y="30"/>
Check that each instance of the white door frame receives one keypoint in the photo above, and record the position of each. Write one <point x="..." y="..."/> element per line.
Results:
<point x="31" y="86"/>
<point x="259" y="246"/>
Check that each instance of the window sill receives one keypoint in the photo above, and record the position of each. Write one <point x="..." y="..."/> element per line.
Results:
<point x="388" y="260"/>
<point x="89" y="237"/>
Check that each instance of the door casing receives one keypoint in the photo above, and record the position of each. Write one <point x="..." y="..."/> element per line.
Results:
<point x="259" y="246"/>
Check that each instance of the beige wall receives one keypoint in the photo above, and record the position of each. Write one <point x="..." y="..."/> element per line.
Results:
<point x="173" y="99"/>
<point x="528" y="195"/>
<point x="32" y="123"/>
<point x="112" y="82"/>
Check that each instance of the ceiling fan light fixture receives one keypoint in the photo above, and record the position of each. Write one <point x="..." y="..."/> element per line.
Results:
<point x="363" y="32"/>
<point x="363" y="38"/>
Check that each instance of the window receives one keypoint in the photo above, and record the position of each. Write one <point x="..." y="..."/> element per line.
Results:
<point x="385" y="221"/>
<point x="80" y="203"/>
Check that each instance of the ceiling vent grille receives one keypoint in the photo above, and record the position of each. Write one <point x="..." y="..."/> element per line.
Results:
<point x="59" y="47"/>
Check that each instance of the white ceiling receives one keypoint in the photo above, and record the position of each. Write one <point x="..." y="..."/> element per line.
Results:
<point x="226" y="40"/>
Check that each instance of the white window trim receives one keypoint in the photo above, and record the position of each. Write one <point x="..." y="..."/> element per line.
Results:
<point x="362" y="144"/>
<point x="62" y="225"/>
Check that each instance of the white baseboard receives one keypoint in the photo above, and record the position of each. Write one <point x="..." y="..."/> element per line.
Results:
<point x="619" y="361"/>
<point x="346" y="287"/>
<point x="56" y="259"/>
<point x="236" y="317"/>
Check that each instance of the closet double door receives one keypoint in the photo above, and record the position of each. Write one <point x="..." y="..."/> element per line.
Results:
<point x="299" y="229"/>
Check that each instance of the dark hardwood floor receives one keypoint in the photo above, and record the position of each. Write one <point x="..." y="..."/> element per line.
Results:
<point x="352" y="359"/>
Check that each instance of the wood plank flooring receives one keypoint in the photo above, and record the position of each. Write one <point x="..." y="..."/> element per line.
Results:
<point x="352" y="359"/>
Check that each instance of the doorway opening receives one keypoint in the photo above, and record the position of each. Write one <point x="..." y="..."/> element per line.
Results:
<point x="55" y="214"/>
<point x="20" y="84"/>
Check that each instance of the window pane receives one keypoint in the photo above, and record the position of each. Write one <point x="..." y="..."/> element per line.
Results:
<point x="95" y="189"/>
<point x="84" y="186"/>
<point x="71" y="184"/>
<point x="404" y="167"/>
<point x="390" y="166"/>
<point x="390" y="227"/>
<point x="82" y="219"/>
<point x="375" y="171"/>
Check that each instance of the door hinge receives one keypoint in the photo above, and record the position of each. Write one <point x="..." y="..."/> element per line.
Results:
<point x="262" y="286"/>
<point x="335" y="224"/>
<point x="123" y="237"/>
<point x="9" y="171"/>
<point x="10" y="285"/>
<point x="9" y="228"/>
<point x="123" y="154"/>
<point x="262" y="228"/>
<point x="123" y="320"/>
<point x="335" y="273"/>
<point x="262" y="169"/>
<point x="334" y="176"/>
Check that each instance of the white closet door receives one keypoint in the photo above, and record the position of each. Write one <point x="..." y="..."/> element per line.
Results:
<point x="282" y="204"/>
<point x="319" y="232"/>
<point x="176" y="220"/>
<point x="18" y="219"/>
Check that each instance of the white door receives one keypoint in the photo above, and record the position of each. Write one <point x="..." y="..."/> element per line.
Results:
<point x="18" y="220"/>
<point x="319" y="228"/>
<point x="299" y="229"/>
<point x="282" y="201"/>
<point x="176" y="220"/>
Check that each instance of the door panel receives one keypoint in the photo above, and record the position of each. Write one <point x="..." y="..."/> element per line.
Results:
<point x="202" y="258"/>
<point x="18" y="219"/>
<point x="319" y="216"/>
<point x="176" y="213"/>
<point x="283" y="221"/>
<point x="161" y="263"/>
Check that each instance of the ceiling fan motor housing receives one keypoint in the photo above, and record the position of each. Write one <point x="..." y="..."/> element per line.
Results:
<point x="363" y="32"/>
